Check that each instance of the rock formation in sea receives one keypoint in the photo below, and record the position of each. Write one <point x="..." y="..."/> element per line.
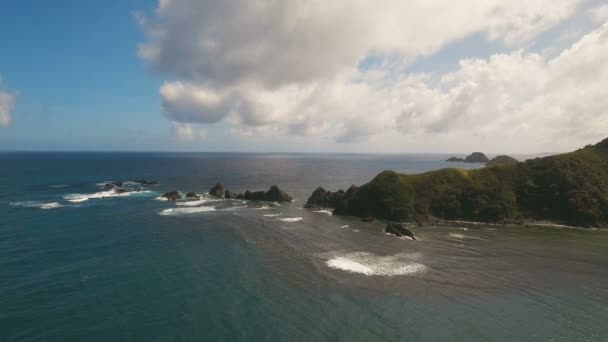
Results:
<point x="570" y="188"/>
<point x="217" y="190"/>
<point x="475" y="157"/>
<point x="192" y="195"/>
<point x="399" y="229"/>
<point x="172" y="195"/>
<point x="274" y="194"/>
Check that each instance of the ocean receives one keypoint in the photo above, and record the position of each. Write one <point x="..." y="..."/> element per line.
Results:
<point x="78" y="263"/>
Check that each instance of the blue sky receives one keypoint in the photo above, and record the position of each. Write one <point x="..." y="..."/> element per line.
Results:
<point x="198" y="75"/>
<point x="80" y="82"/>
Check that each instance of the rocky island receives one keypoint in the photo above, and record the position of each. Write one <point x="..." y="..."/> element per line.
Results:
<point x="273" y="195"/>
<point x="475" y="157"/>
<point x="569" y="189"/>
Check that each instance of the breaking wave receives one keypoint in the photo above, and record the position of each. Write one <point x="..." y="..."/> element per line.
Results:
<point x="182" y="211"/>
<point x="373" y="265"/>
<point x="36" y="204"/>
<point x="291" y="219"/>
<point x="77" y="198"/>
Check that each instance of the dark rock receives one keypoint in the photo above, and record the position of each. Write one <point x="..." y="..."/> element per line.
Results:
<point x="172" y="195"/>
<point x="118" y="183"/>
<point x="120" y="190"/>
<point x="230" y="195"/>
<point x="217" y="190"/>
<point x="255" y="195"/>
<point x="277" y="195"/>
<point x="398" y="229"/>
<point x="476" y="157"/>
<point x="108" y="187"/>
<point x="322" y="198"/>
<point x="273" y="195"/>
<point x="192" y="195"/>
<point x="455" y="160"/>
<point x="367" y="219"/>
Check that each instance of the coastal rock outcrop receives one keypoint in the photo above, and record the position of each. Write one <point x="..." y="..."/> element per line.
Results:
<point x="217" y="190"/>
<point x="455" y="160"/>
<point x="172" y="195"/>
<point x="192" y="195"/>
<point x="399" y="230"/>
<point x="570" y="188"/>
<point x="274" y="194"/>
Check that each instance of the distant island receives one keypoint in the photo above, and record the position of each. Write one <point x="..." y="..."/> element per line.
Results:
<point x="475" y="157"/>
<point x="569" y="189"/>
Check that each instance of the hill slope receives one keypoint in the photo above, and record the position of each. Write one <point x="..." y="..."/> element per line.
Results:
<point x="570" y="188"/>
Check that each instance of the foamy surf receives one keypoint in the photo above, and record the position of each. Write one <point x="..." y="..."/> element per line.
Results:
<point x="456" y="236"/>
<point x="271" y="215"/>
<point x="345" y="226"/>
<point x="77" y="198"/>
<point x="291" y="219"/>
<point x="373" y="265"/>
<point x="36" y="204"/>
<point x="52" y="205"/>
<point x="181" y="211"/>
<point x="195" y="203"/>
<point x="58" y="186"/>
<point x="324" y="211"/>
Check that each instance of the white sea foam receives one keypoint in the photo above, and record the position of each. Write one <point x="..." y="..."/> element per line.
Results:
<point x="324" y="211"/>
<point x="264" y="207"/>
<point x="345" y="226"/>
<point x="291" y="219"/>
<point x="271" y="215"/>
<point x="58" y="186"/>
<point x="373" y="265"/>
<point x="36" y="204"/>
<point x="180" y="211"/>
<point x="52" y="205"/>
<point x="77" y="198"/>
<point x="456" y="236"/>
<point x="196" y="202"/>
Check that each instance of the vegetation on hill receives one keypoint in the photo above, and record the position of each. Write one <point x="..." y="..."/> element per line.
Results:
<point x="502" y="160"/>
<point x="570" y="188"/>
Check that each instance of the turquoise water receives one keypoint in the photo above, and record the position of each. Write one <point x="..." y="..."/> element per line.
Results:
<point x="80" y="264"/>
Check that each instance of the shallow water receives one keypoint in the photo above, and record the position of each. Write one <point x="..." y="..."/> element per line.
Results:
<point x="78" y="263"/>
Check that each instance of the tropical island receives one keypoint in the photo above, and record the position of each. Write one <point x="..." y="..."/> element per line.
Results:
<point x="570" y="189"/>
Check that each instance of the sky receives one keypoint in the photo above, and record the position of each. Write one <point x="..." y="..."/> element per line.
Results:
<point x="391" y="76"/>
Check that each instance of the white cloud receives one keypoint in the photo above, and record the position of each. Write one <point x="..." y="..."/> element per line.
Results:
<point x="290" y="68"/>
<point x="600" y="13"/>
<point x="7" y="103"/>
<point x="274" y="43"/>
<point x="186" y="132"/>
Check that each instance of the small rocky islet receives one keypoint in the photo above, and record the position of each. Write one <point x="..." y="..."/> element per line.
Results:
<point x="274" y="194"/>
<point x="480" y="158"/>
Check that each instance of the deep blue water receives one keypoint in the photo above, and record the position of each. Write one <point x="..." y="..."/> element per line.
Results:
<point x="80" y="264"/>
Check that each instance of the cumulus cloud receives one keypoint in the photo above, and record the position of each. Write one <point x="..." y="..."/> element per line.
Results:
<point x="7" y="103"/>
<point x="294" y="68"/>
<point x="186" y="132"/>
<point x="600" y="13"/>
